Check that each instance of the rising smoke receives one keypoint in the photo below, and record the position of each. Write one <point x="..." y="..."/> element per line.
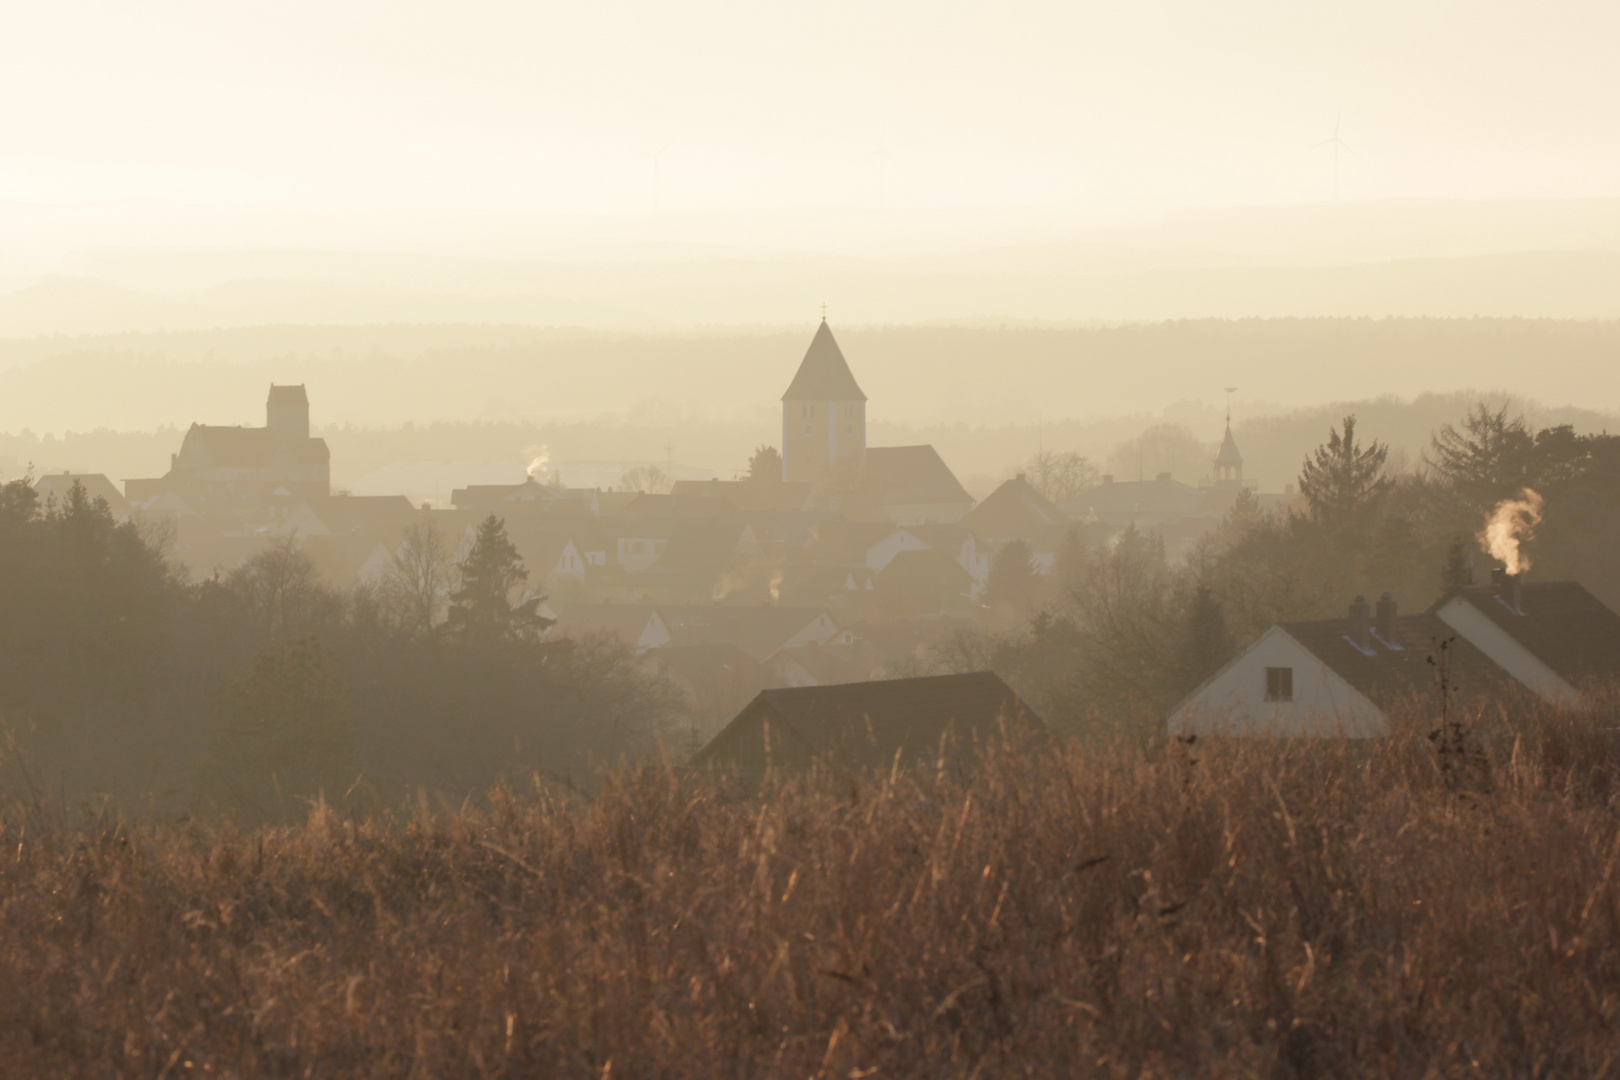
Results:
<point x="539" y="469"/>
<point x="1512" y="523"/>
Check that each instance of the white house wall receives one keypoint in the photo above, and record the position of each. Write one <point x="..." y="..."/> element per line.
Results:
<point x="1234" y="701"/>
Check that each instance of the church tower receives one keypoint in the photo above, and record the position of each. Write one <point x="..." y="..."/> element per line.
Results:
<point x="1229" y="463"/>
<point x="286" y="413"/>
<point x="823" y="415"/>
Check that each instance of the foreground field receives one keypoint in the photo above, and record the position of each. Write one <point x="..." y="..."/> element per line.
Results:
<point x="1266" y="910"/>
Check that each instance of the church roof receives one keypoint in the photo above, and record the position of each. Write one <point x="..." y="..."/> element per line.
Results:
<point x="1229" y="452"/>
<point x="823" y="374"/>
<point x="902" y="475"/>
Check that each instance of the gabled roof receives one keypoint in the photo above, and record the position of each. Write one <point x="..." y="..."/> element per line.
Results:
<point x="1228" y="454"/>
<point x="1562" y="625"/>
<point x="1016" y="511"/>
<point x="873" y="721"/>
<point x="1384" y="674"/>
<point x="250" y="448"/>
<point x="96" y="486"/>
<point x="823" y="373"/>
<point x="911" y="475"/>
<point x="493" y="495"/>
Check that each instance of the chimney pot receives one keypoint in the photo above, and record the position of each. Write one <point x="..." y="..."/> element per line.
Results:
<point x="1385" y="618"/>
<point x="1359" y="623"/>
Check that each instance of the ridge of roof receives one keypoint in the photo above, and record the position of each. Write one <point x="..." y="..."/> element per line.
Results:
<point x="1560" y="622"/>
<point x="1398" y="668"/>
<point x="824" y="374"/>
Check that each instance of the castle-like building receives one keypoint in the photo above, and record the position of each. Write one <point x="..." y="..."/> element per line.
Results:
<point x="221" y="465"/>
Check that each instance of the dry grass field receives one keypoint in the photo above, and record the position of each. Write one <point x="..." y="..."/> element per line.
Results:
<point x="1263" y="910"/>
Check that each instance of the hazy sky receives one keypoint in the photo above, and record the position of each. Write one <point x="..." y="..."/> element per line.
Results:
<point x="204" y="112"/>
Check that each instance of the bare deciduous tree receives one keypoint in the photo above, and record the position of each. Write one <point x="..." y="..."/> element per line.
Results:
<point x="648" y="479"/>
<point x="1060" y="475"/>
<point x="419" y="580"/>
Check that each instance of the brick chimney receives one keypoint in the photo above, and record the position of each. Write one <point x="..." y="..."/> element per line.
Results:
<point x="1384" y="618"/>
<point x="1359" y="623"/>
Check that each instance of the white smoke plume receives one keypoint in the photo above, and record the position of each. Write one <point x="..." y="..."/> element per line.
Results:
<point x="1511" y="523"/>
<point x="539" y="463"/>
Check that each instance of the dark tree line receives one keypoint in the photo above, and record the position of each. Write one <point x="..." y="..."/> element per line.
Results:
<point x="254" y="692"/>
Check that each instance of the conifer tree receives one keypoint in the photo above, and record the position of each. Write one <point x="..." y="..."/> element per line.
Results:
<point x="489" y="604"/>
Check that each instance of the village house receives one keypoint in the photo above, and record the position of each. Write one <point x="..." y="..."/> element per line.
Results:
<point x="53" y="489"/>
<point x="870" y="726"/>
<point x="1555" y="637"/>
<point x="1340" y="678"/>
<point x="1016" y="511"/>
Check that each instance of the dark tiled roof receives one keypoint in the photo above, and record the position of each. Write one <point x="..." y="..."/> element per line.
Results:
<point x="1016" y="511"/>
<point x="823" y="373"/>
<point x="900" y="475"/>
<point x="1388" y="674"/>
<point x="253" y="448"/>
<point x="874" y="720"/>
<point x="1566" y="627"/>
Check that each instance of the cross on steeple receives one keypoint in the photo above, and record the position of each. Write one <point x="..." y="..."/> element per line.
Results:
<point x="824" y="311"/>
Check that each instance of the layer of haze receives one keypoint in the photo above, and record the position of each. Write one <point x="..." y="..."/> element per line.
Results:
<point x="632" y="208"/>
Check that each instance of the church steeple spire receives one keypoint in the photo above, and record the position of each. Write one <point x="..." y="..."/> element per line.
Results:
<point x="1228" y="461"/>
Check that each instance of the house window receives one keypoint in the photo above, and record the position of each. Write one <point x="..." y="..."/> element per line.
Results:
<point x="1279" y="684"/>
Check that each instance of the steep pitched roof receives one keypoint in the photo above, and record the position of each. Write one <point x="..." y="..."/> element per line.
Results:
<point x="1384" y="674"/>
<point x="96" y="486"/>
<point x="900" y="475"/>
<point x="1016" y="511"/>
<point x="1563" y="625"/>
<point x="251" y="448"/>
<point x="1228" y="454"/>
<point x="823" y="373"/>
<point x="873" y="721"/>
